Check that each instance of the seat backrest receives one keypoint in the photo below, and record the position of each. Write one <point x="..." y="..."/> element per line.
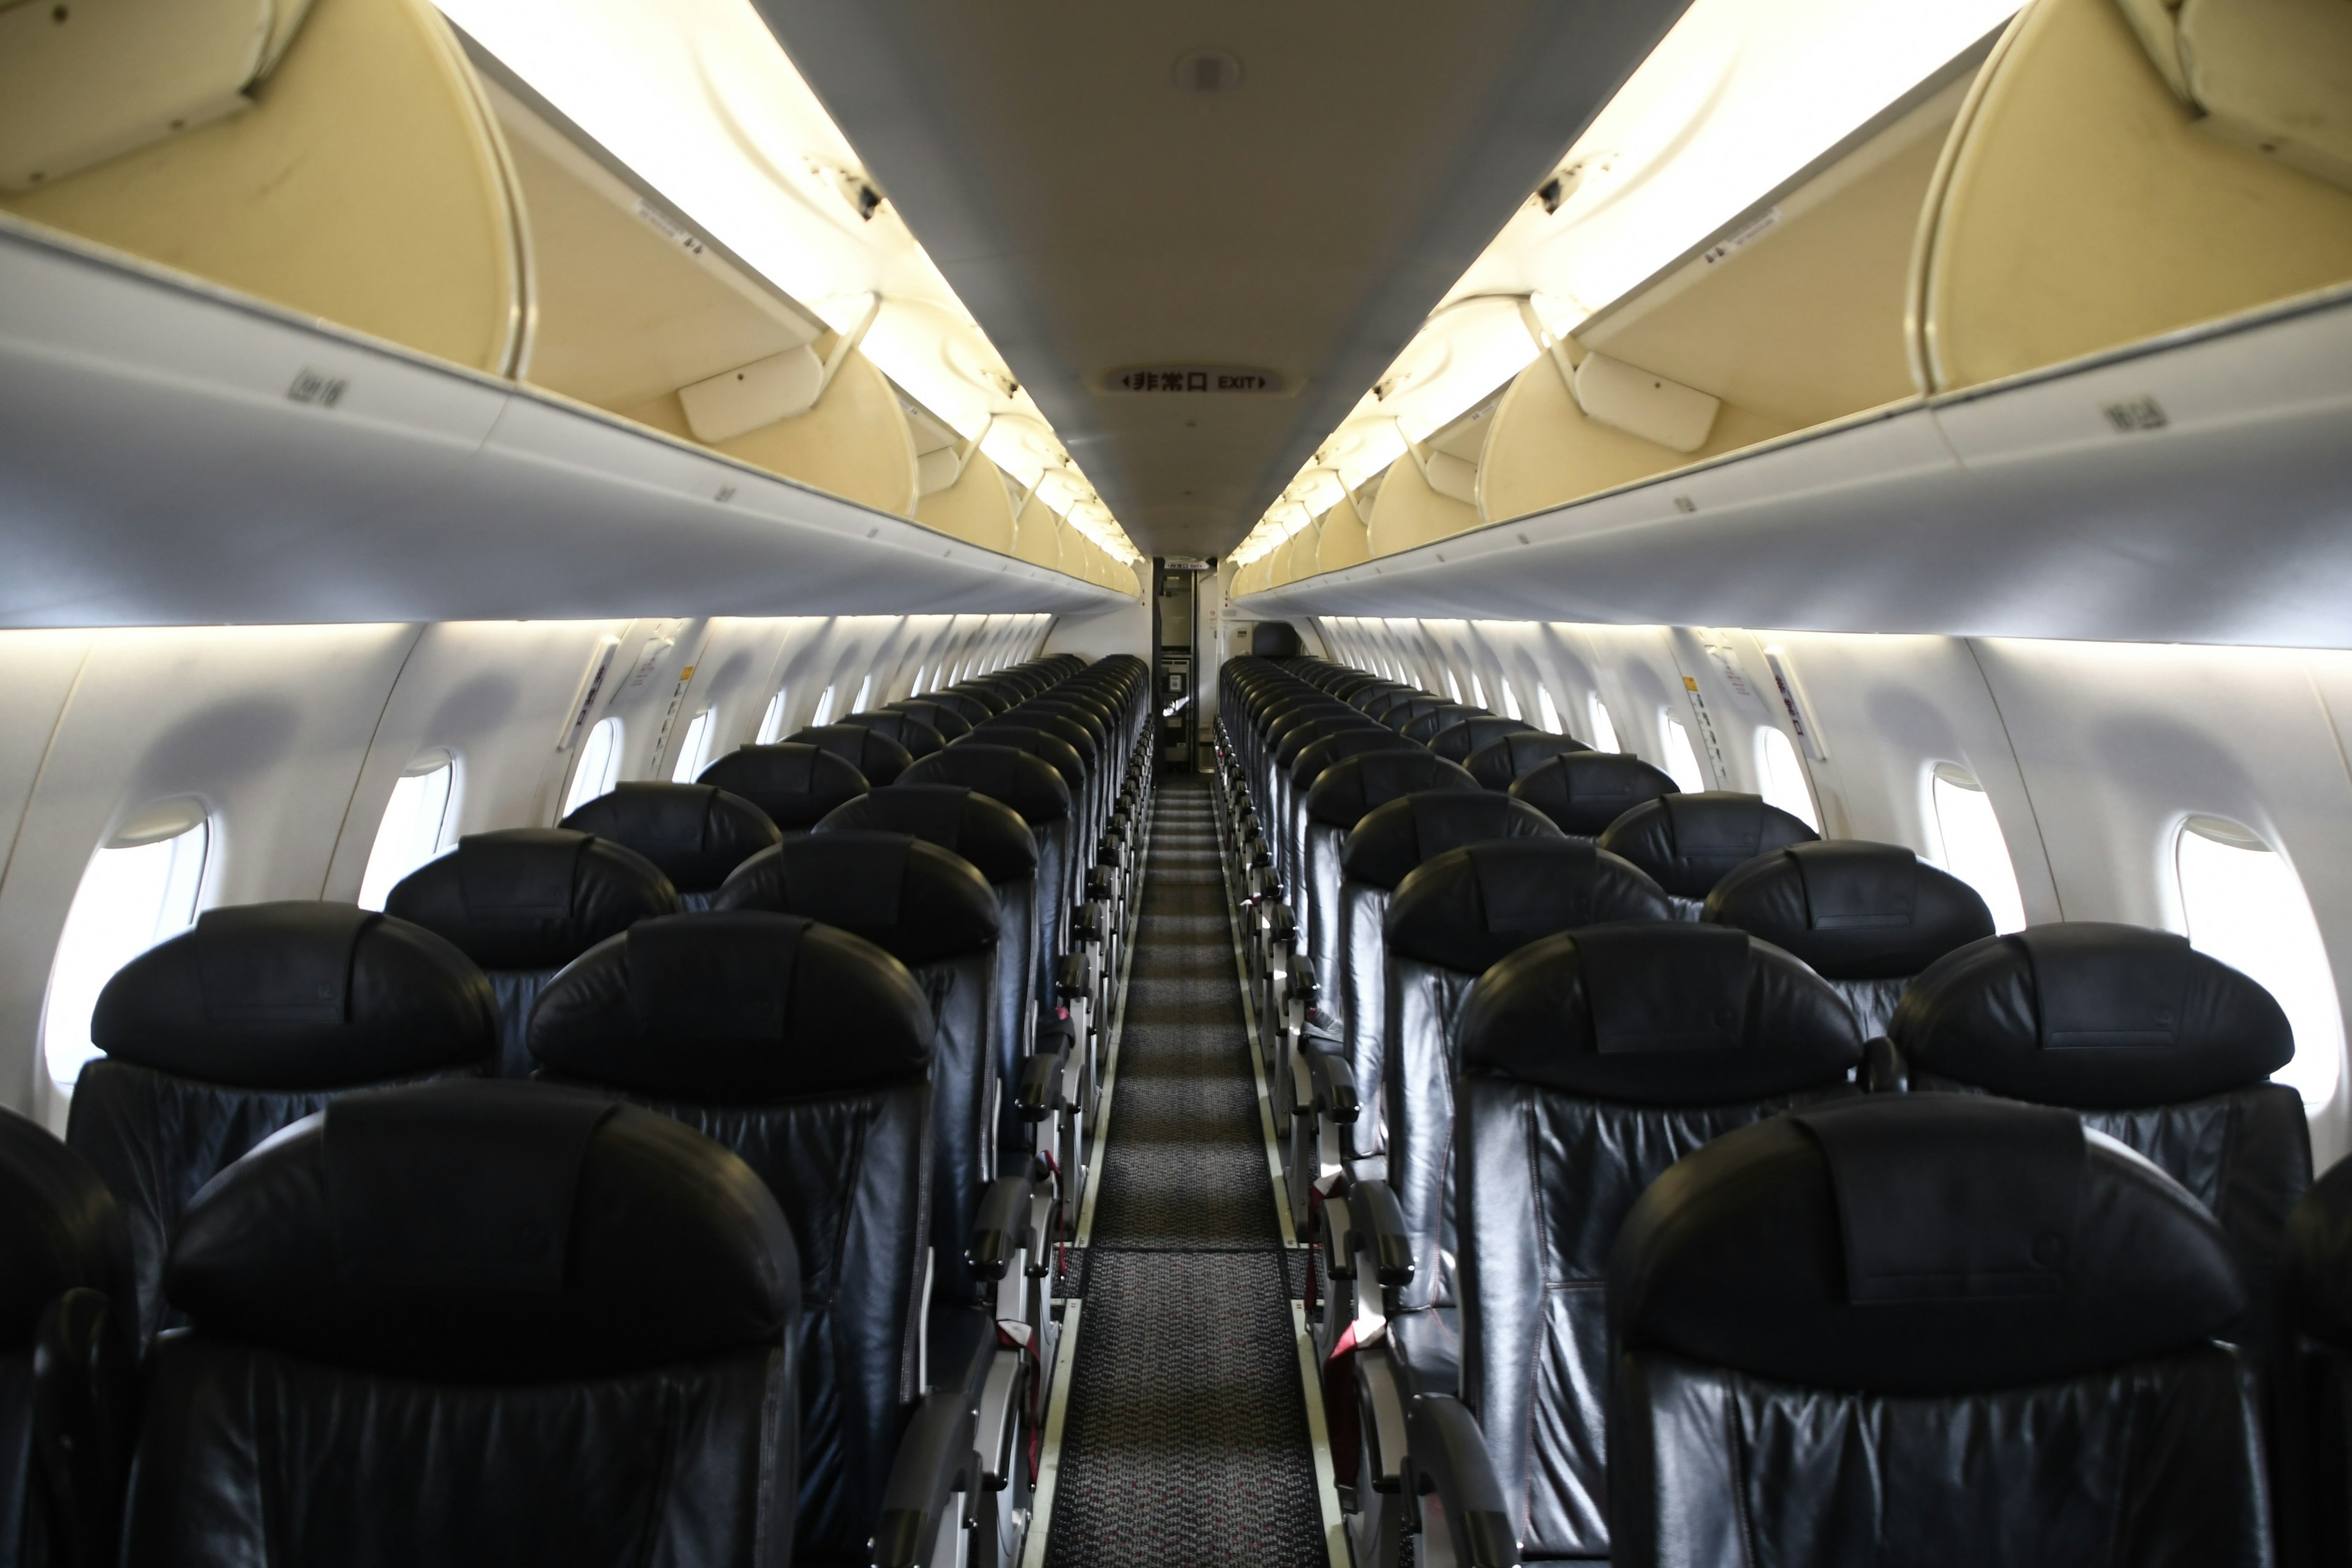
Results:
<point x="1688" y="842"/>
<point x="1500" y="759"/>
<point x="793" y="783"/>
<point x="1591" y="1062"/>
<point x="2150" y="1042"/>
<point x="256" y="1018"/>
<point x="1078" y="776"/>
<point x="1342" y="796"/>
<point x="932" y="911"/>
<point x="970" y="706"/>
<point x="1288" y="831"/>
<point x="1585" y="791"/>
<point x="918" y="738"/>
<point x="1424" y="727"/>
<point x="696" y="833"/>
<point x="522" y="902"/>
<point x="1032" y="788"/>
<point x="948" y="718"/>
<point x="489" y="1322"/>
<point x="1927" y="1328"/>
<point x="807" y="1051"/>
<point x="1457" y="741"/>
<point x="2314" y="1387"/>
<point x="1868" y="917"/>
<point x="1397" y="715"/>
<point x="873" y="754"/>
<point x="1457" y="916"/>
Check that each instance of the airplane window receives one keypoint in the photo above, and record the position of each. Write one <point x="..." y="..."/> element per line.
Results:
<point x="1510" y="700"/>
<point x="1785" y="784"/>
<point x="410" y="834"/>
<point x="1604" y="732"/>
<point x="1550" y="711"/>
<point x="1477" y="690"/>
<point x="694" y="750"/>
<point x="1681" y="759"/>
<point x="2245" y="906"/>
<point x="865" y="690"/>
<point x="772" y="723"/>
<point x="1453" y="687"/>
<point x="823" y="707"/>
<point x="599" y="767"/>
<point x="136" y="892"/>
<point x="1974" y="849"/>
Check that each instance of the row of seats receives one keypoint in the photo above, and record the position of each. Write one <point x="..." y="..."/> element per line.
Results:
<point x="700" y="1205"/>
<point x="1652" y="1229"/>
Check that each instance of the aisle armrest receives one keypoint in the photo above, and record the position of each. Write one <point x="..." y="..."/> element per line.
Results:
<point x="933" y="1467"/>
<point x="1001" y="1230"/>
<point x="1454" y="1479"/>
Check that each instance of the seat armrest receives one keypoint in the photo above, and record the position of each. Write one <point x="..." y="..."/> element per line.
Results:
<point x="1884" y="1071"/>
<point x="1303" y="983"/>
<point x="1454" y="1479"/>
<point x="933" y="1464"/>
<point x="1378" y="1225"/>
<point x="1335" y="1084"/>
<point x="999" y="1231"/>
<point x="1070" y="974"/>
<point x="1039" y="1093"/>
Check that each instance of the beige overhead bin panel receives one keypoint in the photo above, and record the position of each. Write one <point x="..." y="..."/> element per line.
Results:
<point x="365" y="185"/>
<point x="1346" y="541"/>
<point x="976" y="508"/>
<point x="1410" y="512"/>
<point x="1038" y="533"/>
<point x="2273" y="75"/>
<point x="2081" y="204"/>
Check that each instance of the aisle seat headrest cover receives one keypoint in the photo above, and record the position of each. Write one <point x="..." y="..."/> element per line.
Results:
<point x="1920" y="1245"/>
<point x="739" y="1006"/>
<point x="1584" y="790"/>
<point x="2094" y="1016"/>
<point x="914" y="901"/>
<point x="1471" y="908"/>
<point x="59" y="1229"/>
<point x="531" y="898"/>
<point x="1348" y="791"/>
<point x="1688" y="841"/>
<point x="298" y="995"/>
<point x="958" y="819"/>
<point x="795" y="784"/>
<point x="873" y="754"/>
<point x="487" y="1230"/>
<point x="1658" y="1014"/>
<point x="1008" y="775"/>
<point x="1383" y="848"/>
<point x="696" y="833"/>
<point x="1854" y="910"/>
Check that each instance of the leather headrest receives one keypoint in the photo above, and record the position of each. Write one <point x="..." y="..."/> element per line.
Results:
<point x="1397" y="715"/>
<point x="794" y="783"/>
<point x="1379" y="694"/>
<point x="1383" y="848"/>
<point x="950" y="721"/>
<point x="1346" y="791"/>
<point x="1852" y="909"/>
<point x="1658" y="1013"/>
<point x="1028" y="784"/>
<point x="873" y="754"/>
<point x="1688" y="841"/>
<point x="917" y="738"/>
<point x="737" y="1007"/>
<point x="696" y="833"/>
<point x="2092" y="1016"/>
<point x="1424" y="727"/>
<point x="1498" y="763"/>
<point x="1920" y="1245"/>
<point x="1457" y="741"/>
<point x="915" y="901"/>
<point x="531" y="898"/>
<point x="1090" y="714"/>
<point x="2315" y="1260"/>
<point x="59" y="1229"/>
<point x="972" y="706"/>
<point x="987" y="833"/>
<point x="1058" y="741"/>
<point x="1471" y="908"/>
<point x="298" y="995"/>
<point x="485" y="1231"/>
<point x="1328" y="752"/>
<point x="1584" y="792"/>
<point x="1298" y="737"/>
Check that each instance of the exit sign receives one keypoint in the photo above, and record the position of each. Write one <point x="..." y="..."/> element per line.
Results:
<point x="1193" y="380"/>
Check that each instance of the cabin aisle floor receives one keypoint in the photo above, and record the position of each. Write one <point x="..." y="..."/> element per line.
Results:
<point x="1186" y="1439"/>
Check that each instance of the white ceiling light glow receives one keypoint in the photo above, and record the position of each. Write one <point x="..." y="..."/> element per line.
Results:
<point x="697" y="98"/>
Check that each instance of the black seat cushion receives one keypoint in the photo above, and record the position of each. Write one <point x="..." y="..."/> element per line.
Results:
<point x="1585" y="791"/>
<point x="1471" y="908"/>
<point x="531" y="898"/>
<point x="1391" y="840"/>
<point x="1039" y="742"/>
<point x="918" y="738"/>
<point x="877" y="758"/>
<point x="1689" y="841"/>
<point x="914" y="901"/>
<point x="947" y="719"/>
<point x="1459" y="742"/>
<point x="1008" y="775"/>
<point x="1424" y="727"/>
<point x="795" y="784"/>
<point x="1349" y="790"/>
<point x="696" y="833"/>
<point x="1500" y="759"/>
<point x="956" y="818"/>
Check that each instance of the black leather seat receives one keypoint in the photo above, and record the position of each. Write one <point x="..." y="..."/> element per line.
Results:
<point x="524" y="902"/>
<point x="2313" y="1457"/>
<point x="476" y="1324"/>
<point x="970" y="706"/>
<point x="67" y="1360"/>
<point x="878" y="758"/>
<point x="918" y="738"/>
<point x="1425" y="728"/>
<point x="1584" y="790"/>
<point x="807" y="1051"/>
<point x="1688" y="842"/>
<point x="696" y="833"/>
<point x="1457" y="742"/>
<point x="1286" y="818"/>
<point x="1396" y="715"/>
<point x="1342" y="796"/>
<point x="1867" y="917"/>
<point x="2150" y="1042"/>
<point x="1591" y="1062"/>
<point x="1919" y="1329"/>
<point x="948" y="718"/>
<point x="796" y="785"/>
<point x="256" y="1018"/>
<point x="1498" y="764"/>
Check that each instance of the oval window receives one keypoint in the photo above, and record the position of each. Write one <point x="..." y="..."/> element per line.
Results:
<point x="772" y="723"/>
<point x="138" y="890"/>
<point x="2244" y="905"/>
<point x="412" y="831"/>
<point x="694" y="750"/>
<point x="1783" y="777"/>
<point x="599" y="767"/>
<point x="1604" y="731"/>
<point x="1680" y="758"/>
<point x="1971" y="843"/>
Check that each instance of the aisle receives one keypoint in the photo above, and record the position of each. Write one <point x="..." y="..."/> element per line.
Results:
<point x="1186" y="1437"/>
